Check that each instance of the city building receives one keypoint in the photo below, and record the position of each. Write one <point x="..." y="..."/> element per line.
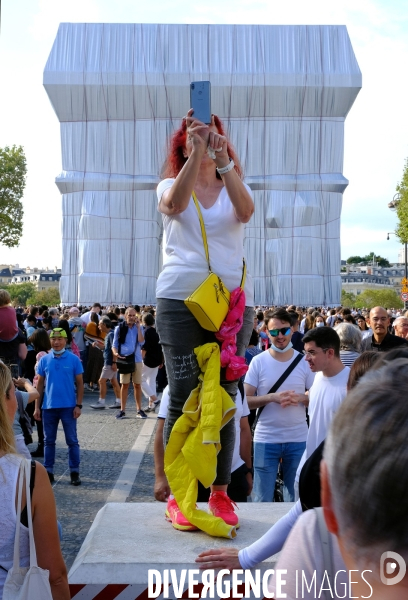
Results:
<point x="401" y="255"/>
<point x="43" y="279"/>
<point x="359" y="278"/>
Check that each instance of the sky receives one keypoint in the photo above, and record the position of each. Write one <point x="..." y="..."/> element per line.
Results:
<point x="376" y="129"/>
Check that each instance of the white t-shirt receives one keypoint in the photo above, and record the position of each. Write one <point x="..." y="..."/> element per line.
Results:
<point x="242" y="411"/>
<point x="278" y="425"/>
<point x="325" y="397"/>
<point x="86" y="317"/>
<point x="184" y="263"/>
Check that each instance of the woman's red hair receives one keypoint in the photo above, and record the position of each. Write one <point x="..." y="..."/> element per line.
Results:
<point x="176" y="160"/>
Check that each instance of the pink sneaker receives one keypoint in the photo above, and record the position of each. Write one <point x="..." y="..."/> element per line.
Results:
<point x="176" y="518"/>
<point x="220" y="505"/>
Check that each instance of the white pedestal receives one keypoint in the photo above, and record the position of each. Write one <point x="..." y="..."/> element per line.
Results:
<point x="126" y="540"/>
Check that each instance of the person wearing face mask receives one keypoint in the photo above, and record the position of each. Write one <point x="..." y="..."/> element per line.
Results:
<point x="319" y="321"/>
<point x="281" y="429"/>
<point x="58" y="372"/>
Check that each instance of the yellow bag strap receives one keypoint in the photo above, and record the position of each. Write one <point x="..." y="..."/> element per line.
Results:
<point x="203" y="232"/>
<point x="244" y="271"/>
<point x="204" y="235"/>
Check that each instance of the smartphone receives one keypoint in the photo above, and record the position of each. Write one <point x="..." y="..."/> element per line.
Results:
<point x="14" y="371"/>
<point x="200" y="100"/>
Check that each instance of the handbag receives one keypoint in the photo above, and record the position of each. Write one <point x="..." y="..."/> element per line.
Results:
<point x="126" y="365"/>
<point x="209" y="303"/>
<point x="26" y="583"/>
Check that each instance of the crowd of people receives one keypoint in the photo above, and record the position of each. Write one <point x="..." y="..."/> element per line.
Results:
<point x="277" y="430"/>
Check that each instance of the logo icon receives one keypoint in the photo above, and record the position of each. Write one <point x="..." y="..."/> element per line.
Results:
<point x="392" y="568"/>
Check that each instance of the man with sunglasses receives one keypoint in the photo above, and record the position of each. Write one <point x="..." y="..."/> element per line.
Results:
<point x="281" y="429"/>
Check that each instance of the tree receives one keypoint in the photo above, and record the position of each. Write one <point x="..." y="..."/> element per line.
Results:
<point x="402" y="207"/>
<point x="385" y="297"/>
<point x="353" y="260"/>
<point x="21" y="292"/>
<point x="382" y="262"/>
<point x="348" y="299"/>
<point x="48" y="297"/>
<point x="368" y="258"/>
<point x="13" y="171"/>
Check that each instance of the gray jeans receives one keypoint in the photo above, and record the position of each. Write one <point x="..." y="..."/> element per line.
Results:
<point x="179" y="334"/>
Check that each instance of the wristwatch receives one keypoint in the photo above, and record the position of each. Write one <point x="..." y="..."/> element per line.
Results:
<point x="79" y="406"/>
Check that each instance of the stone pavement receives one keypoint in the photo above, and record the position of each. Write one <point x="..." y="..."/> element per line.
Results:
<point x="105" y="444"/>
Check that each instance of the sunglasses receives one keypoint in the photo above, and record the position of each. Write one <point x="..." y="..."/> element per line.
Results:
<point x="282" y="330"/>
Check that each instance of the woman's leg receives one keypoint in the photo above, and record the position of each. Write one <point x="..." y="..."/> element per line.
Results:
<point x="224" y="458"/>
<point x="149" y="375"/>
<point x="179" y="334"/>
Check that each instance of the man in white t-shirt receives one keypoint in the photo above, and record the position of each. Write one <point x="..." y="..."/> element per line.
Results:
<point x="86" y="317"/>
<point x="281" y="430"/>
<point x="322" y="352"/>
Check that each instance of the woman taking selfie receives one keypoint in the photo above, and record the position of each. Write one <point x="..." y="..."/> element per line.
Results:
<point x="43" y="505"/>
<point x="201" y="161"/>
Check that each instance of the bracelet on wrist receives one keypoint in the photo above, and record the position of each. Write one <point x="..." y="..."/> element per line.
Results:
<point x="229" y="167"/>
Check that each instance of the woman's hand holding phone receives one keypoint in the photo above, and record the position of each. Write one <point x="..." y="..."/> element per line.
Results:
<point x="202" y="138"/>
<point x="197" y="133"/>
<point x="218" y="143"/>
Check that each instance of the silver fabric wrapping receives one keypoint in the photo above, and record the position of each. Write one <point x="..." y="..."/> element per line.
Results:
<point x="283" y="93"/>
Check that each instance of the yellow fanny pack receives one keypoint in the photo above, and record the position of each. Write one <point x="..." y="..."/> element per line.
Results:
<point x="209" y="303"/>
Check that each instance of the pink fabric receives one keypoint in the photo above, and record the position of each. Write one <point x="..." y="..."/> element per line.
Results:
<point x="235" y="365"/>
<point x="8" y="323"/>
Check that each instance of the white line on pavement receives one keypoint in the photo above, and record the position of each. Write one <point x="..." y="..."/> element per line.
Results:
<point x="130" y="469"/>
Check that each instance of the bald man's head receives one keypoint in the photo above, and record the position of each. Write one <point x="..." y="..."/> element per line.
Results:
<point x="379" y="321"/>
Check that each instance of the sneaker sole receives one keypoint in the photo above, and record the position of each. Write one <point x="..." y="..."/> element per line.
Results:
<point x="179" y="527"/>
<point x="98" y="407"/>
<point x="115" y="407"/>
<point x="237" y="525"/>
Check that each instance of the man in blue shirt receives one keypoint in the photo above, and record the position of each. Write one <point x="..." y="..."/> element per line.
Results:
<point x="58" y="372"/>
<point x="126" y="349"/>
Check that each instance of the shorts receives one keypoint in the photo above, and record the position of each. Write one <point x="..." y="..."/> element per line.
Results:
<point x="108" y="372"/>
<point x="135" y="377"/>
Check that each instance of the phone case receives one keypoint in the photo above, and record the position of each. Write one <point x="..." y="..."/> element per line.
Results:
<point x="200" y="100"/>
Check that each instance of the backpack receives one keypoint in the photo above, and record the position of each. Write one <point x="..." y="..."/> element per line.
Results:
<point x="24" y="420"/>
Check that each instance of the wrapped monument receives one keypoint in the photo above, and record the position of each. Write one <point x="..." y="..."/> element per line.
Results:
<point x="283" y="92"/>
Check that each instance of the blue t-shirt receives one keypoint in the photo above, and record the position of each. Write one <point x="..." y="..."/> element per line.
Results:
<point x="59" y="372"/>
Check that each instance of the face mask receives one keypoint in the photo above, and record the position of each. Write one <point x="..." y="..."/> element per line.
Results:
<point x="319" y="324"/>
<point x="288" y="347"/>
<point x="57" y="352"/>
